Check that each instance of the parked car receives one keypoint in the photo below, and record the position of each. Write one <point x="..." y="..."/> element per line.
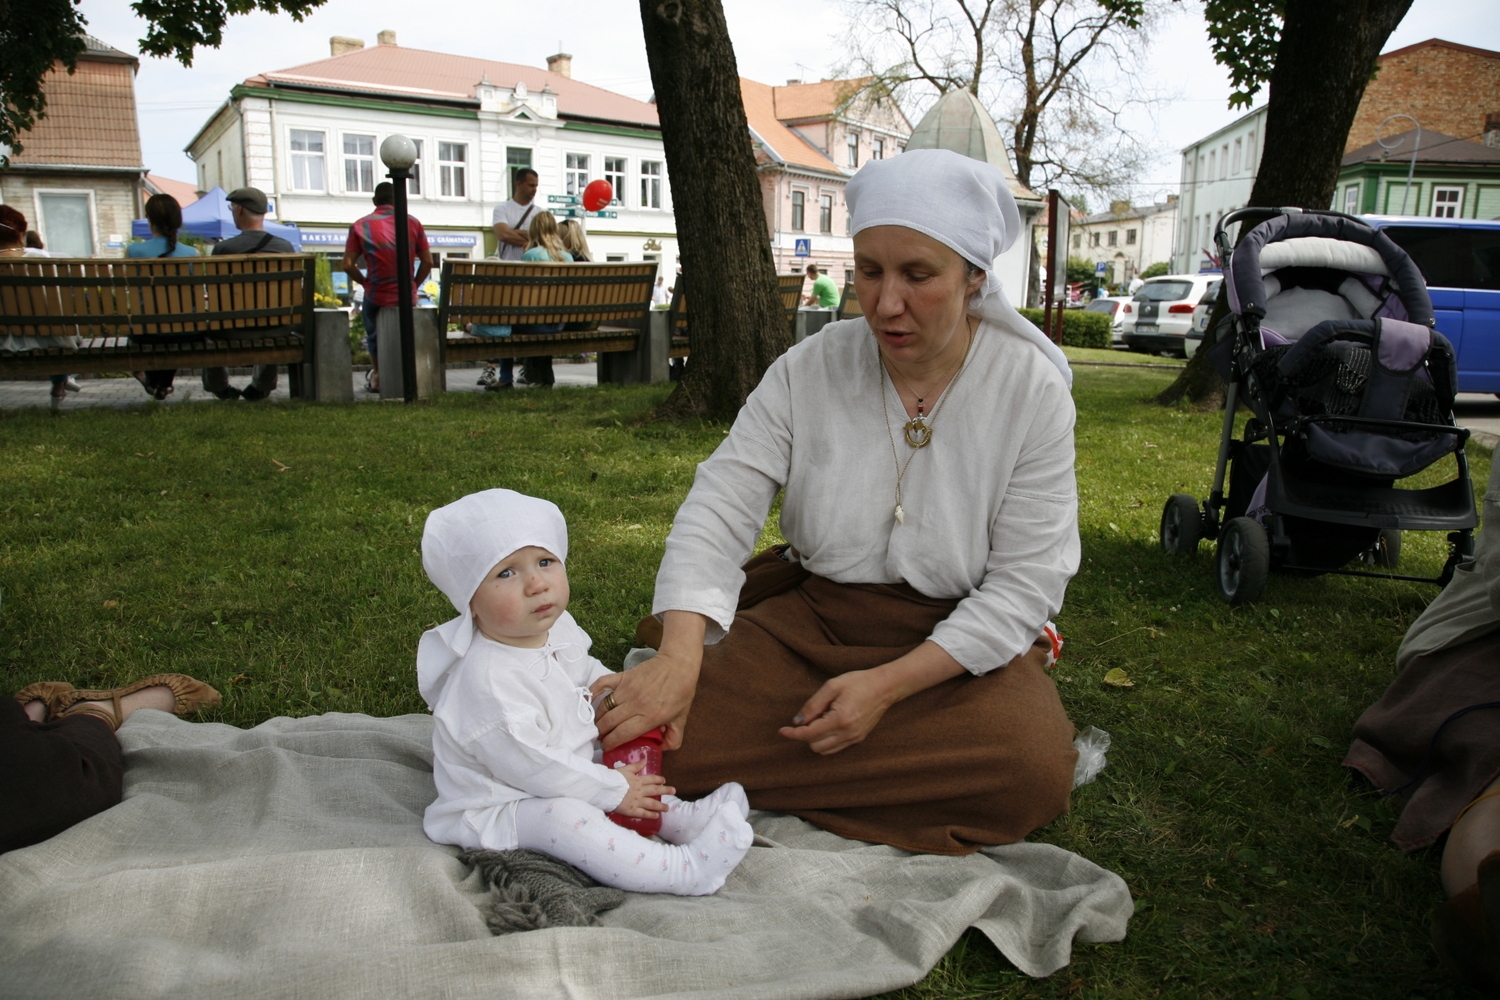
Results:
<point x="1194" y="337"/>
<point x="1460" y="260"/>
<point x="1164" y="312"/>
<point x="1119" y="308"/>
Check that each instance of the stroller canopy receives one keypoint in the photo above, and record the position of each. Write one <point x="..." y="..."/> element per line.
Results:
<point x="1324" y="242"/>
<point x="209" y="218"/>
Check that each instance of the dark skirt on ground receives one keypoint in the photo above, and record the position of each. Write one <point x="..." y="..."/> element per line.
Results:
<point x="53" y="774"/>
<point x="969" y="762"/>
<point x="1393" y="738"/>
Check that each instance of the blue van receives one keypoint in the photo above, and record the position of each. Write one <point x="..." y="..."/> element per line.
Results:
<point x="1460" y="258"/>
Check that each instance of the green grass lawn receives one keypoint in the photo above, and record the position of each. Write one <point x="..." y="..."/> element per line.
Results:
<point x="272" y="551"/>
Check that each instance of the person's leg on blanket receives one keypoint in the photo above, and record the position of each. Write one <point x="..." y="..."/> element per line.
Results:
<point x="685" y="820"/>
<point x="582" y="835"/>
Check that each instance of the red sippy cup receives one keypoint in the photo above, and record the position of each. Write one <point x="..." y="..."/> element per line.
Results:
<point x="646" y="747"/>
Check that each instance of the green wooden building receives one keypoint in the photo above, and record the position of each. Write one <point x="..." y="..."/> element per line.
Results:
<point x="1454" y="178"/>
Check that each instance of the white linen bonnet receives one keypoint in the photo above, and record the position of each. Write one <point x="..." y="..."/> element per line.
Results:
<point x="461" y="542"/>
<point x="963" y="203"/>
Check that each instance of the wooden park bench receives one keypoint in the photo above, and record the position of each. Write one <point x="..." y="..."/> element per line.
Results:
<point x="849" y="303"/>
<point x="176" y="312"/>
<point x="613" y="299"/>
<point x="788" y="287"/>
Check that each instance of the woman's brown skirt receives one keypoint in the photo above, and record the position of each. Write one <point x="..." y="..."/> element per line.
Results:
<point x="1394" y="742"/>
<point x="969" y="762"/>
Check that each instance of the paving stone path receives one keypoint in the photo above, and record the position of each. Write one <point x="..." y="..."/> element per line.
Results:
<point x="127" y="392"/>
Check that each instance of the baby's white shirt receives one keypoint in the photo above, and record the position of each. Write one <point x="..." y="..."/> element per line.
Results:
<point x="512" y="724"/>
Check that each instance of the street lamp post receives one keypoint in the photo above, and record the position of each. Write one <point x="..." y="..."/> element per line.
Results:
<point x="399" y="153"/>
<point x="1410" y="167"/>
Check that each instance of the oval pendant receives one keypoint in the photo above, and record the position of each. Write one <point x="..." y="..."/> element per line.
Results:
<point x="918" y="434"/>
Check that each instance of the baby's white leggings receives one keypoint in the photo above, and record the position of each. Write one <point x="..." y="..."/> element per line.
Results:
<point x="706" y="839"/>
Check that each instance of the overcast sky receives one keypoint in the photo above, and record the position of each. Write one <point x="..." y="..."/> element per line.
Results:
<point x="774" y="40"/>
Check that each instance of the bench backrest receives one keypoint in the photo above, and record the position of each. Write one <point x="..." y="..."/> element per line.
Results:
<point x="788" y="287"/>
<point x="53" y="297"/>
<point x="526" y="292"/>
<point x="849" y="303"/>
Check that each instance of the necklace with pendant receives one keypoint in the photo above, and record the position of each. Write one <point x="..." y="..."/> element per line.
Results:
<point x="918" y="429"/>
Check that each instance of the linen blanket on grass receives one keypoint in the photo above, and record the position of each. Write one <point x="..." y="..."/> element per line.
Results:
<point x="288" y="860"/>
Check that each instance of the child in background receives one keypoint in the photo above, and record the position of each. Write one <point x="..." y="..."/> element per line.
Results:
<point x="514" y="735"/>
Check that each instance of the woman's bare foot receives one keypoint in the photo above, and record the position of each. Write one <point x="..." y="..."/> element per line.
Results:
<point x="36" y="710"/>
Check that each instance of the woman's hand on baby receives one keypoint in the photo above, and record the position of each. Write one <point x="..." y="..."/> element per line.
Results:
<point x="643" y="798"/>
<point x="842" y="712"/>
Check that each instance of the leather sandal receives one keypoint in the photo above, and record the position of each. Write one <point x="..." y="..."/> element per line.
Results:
<point x="49" y="693"/>
<point x="191" y="695"/>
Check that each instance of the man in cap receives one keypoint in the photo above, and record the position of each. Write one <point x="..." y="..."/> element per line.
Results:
<point x="248" y="207"/>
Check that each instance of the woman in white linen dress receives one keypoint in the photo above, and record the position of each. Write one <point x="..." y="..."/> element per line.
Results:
<point x="884" y="676"/>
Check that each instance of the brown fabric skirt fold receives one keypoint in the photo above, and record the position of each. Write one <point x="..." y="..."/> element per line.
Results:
<point x="1393" y="737"/>
<point x="969" y="762"/>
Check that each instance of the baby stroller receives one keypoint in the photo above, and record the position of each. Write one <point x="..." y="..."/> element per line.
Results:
<point x="1330" y="344"/>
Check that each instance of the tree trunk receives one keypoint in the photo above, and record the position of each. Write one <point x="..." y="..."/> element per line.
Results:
<point x="1324" y="60"/>
<point x="738" y="325"/>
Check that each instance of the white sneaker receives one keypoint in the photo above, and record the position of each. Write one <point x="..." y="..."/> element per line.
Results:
<point x="71" y="384"/>
<point x="489" y="376"/>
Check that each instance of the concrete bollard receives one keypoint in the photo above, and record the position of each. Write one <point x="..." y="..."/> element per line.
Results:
<point x="330" y="377"/>
<point x="810" y="321"/>
<point x="430" y="380"/>
<point x="647" y="363"/>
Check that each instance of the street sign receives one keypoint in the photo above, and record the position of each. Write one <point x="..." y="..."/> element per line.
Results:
<point x="604" y="215"/>
<point x="804" y="248"/>
<point x="575" y="212"/>
<point x="1100" y="268"/>
<point x="563" y="199"/>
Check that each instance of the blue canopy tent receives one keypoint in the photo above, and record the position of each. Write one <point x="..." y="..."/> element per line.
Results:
<point x="209" y="218"/>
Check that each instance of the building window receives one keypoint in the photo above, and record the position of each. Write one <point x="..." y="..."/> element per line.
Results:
<point x="1250" y="151"/>
<point x="307" y="160"/>
<point x="414" y="178"/>
<point x="799" y="208"/>
<point x="66" y="224"/>
<point x="614" y="172"/>
<point x="1114" y="237"/>
<point x="452" y="166"/>
<point x="1077" y="241"/>
<point x="1224" y="162"/>
<point x="359" y="163"/>
<point x="1093" y="239"/>
<point x="515" y="159"/>
<point x="575" y="173"/>
<point x="1351" y="199"/>
<point x="651" y="184"/>
<point x="877" y="148"/>
<point x="825" y="213"/>
<point x="1238" y="149"/>
<point x="853" y="140"/>
<point x="1447" y="202"/>
<point x="1130" y="237"/>
<point x="1213" y="161"/>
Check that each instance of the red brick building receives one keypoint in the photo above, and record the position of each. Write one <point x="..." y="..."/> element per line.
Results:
<point x="78" y="180"/>
<point x="1445" y="86"/>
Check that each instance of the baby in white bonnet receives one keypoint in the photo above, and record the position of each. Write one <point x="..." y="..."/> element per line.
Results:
<point x="514" y="740"/>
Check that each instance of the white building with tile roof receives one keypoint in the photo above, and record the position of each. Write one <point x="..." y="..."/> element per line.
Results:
<point x="310" y="135"/>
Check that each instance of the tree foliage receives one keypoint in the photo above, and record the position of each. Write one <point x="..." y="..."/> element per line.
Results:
<point x="1055" y="74"/>
<point x="36" y="35"/>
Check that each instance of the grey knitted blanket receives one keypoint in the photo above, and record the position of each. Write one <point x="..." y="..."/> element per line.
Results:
<point x="288" y="860"/>
<point x="530" y="890"/>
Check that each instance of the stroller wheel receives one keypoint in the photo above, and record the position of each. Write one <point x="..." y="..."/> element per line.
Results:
<point x="1243" y="562"/>
<point x="1181" y="525"/>
<point x="1386" y="552"/>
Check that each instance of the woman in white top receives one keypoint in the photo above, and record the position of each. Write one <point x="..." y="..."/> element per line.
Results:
<point x="884" y="676"/>
<point x="13" y="244"/>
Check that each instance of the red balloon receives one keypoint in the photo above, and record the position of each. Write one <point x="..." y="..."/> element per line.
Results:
<point x="597" y="195"/>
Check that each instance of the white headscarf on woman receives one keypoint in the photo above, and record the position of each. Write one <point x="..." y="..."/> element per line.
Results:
<point x="965" y="205"/>
<point x="460" y="544"/>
